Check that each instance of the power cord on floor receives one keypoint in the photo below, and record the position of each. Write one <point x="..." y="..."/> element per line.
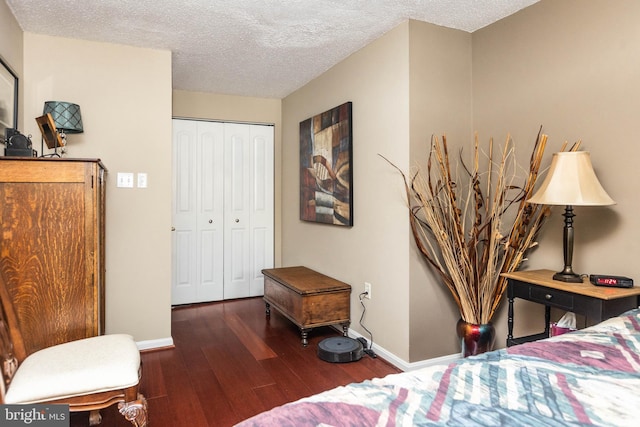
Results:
<point x="368" y="350"/>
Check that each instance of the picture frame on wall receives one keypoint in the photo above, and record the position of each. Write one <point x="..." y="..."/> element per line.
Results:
<point x="8" y="98"/>
<point x="326" y="170"/>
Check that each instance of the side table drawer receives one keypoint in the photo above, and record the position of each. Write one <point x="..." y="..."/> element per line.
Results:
<point x="552" y="297"/>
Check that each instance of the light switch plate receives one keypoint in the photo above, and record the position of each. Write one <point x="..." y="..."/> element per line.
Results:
<point x="125" y="180"/>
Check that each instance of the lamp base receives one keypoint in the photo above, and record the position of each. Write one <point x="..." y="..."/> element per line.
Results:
<point x="563" y="276"/>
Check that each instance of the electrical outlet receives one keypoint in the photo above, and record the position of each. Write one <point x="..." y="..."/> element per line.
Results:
<point x="367" y="289"/>
<point x="142" y="180"/>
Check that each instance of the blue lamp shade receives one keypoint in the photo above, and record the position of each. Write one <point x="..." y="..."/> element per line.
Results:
<point x="66" y="116"/>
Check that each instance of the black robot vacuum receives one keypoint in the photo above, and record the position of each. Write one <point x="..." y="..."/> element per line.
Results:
<point x="340" y="350"/>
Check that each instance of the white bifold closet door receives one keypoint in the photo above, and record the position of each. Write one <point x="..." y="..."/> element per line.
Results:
<point x="222" y="210"/>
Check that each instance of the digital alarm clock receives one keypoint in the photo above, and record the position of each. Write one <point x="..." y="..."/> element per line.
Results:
<point x="611" y="281"/>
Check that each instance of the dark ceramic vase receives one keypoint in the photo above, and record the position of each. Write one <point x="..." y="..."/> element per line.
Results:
<point x="476" y="339"/>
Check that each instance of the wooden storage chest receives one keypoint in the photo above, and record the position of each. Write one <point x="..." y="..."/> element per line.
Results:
<point x="307" y="298"/>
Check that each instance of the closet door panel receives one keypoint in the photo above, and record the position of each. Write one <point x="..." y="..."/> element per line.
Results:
<point x="198" y="244"/>
<point x="184" y="290"/>
<point x="184" y="237"/>
<point x="237" y="213"/>
<point x="262" y="205"/>
<point x="210" y="216"/>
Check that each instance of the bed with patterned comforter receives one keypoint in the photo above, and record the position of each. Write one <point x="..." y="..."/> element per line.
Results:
<point x="587" y="377"/>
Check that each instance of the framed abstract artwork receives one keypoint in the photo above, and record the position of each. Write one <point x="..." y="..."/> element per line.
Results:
<point x="8" y="98"/>
<point x="326" y="178"/>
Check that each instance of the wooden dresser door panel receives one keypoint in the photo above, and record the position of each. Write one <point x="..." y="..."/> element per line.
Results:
<point x="51" y="253"/>
<point x="44" y="252"/>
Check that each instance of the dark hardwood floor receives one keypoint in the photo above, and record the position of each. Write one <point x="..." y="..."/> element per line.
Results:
<point x="231" y="362"/>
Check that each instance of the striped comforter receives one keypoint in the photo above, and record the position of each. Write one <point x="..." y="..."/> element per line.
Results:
<point x="588" y="377"/>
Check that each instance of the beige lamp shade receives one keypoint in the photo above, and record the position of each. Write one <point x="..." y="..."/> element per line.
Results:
<point x="571" y="181"/>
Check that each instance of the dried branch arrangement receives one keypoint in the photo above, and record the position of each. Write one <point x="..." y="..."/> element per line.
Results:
<point x="470" y="233"/>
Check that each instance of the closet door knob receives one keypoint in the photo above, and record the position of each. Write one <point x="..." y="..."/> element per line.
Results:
<point x="210" y="221"/>
<point x="237" y="220"/>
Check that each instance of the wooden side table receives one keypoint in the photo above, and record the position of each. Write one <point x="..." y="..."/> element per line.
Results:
<point x="596" y="303"/>
<point x="307" y="298"/>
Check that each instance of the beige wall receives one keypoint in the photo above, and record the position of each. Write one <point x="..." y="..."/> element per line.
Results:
<point x="381" y="80"/>
<point x="440" y="101"/>
<point x="201" y="105"/>
<point x="210" y="106"/>
<point x="573" y="67"/>
<point x="11" y="51"/>
<point x="376" y="248"/>
<point x="125" y="98"/>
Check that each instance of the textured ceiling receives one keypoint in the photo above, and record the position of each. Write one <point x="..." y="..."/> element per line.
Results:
<point x="263" y="48"/>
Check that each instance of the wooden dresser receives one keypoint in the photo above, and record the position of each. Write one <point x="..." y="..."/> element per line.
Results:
<point x="307" y="298"/>
<point x="52" y="246"/>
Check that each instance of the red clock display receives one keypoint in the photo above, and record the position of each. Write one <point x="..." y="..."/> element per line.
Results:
<point x="615" y="281"/>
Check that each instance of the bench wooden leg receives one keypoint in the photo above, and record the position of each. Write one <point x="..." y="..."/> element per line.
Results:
<point x="305" y="334"/>
<point x="135" y="411"/>
<point x="345" y="329"/>
<point x="95" y="417"/>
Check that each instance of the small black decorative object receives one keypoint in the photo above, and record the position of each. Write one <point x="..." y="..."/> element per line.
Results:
<point x="17" y="144"/>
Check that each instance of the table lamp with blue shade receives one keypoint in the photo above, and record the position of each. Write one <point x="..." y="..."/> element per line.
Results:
<point x="66" y="116"/>
<point x="570" y="181"/>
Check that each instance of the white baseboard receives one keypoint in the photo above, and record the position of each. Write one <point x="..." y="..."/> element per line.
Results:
<point x="155" y="344"/>
<point x="402" y="364"/>
<point x="381" y="351"/>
